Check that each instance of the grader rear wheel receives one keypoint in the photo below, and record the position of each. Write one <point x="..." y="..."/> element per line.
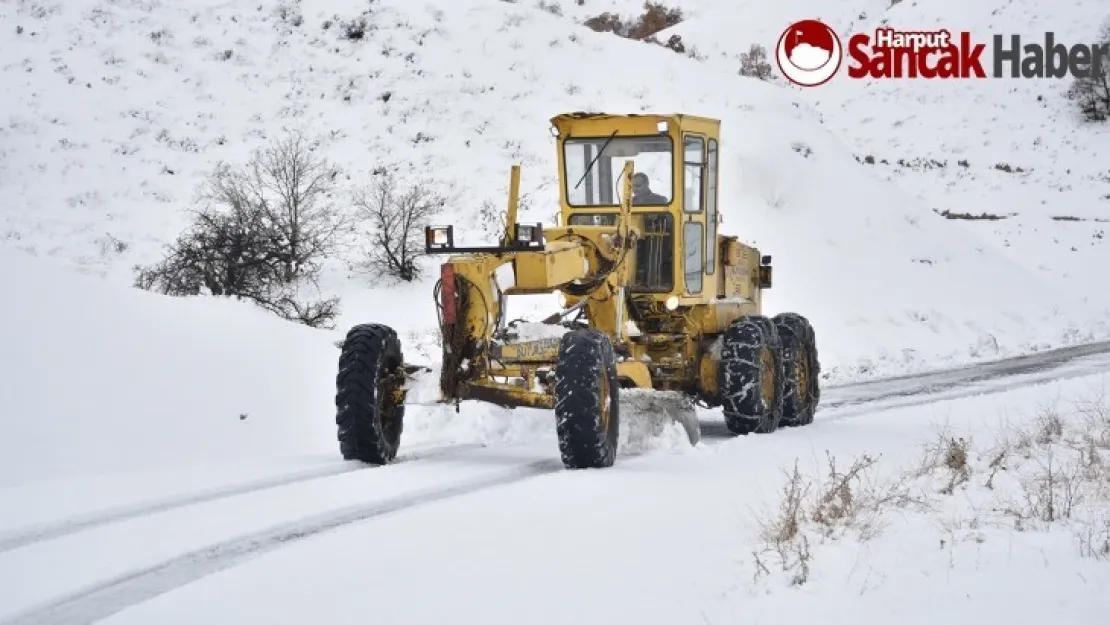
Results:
<point x="751" y="377"/>
<point x="802" y="389"/>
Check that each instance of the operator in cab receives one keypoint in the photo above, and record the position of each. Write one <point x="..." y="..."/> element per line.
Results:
<point x="642" y="193"/>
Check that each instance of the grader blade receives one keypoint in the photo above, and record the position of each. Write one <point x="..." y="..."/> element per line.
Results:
<point x="648" y="414"/>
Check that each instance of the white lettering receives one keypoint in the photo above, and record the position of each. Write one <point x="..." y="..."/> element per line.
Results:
<point x="916" y="41"/>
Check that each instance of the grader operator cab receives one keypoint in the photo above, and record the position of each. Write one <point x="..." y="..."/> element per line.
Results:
<point x="656" y="303"/>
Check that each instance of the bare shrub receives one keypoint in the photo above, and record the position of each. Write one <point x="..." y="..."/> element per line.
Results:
<point x="853" y="500"/>
<point x="1055" y="489"/>
<point x="398" y="218"/>
<point x="656" y="17"/>
<point x="550" y="7"/>
<point x="948" y="453"/>
<point x="289" y="12"/>
<point x="1095" y="412"/>
<point x="1060" y="472"/>
<point x="260" y="234"/>
<point x="1094" y="538"/>
<point x="1091" y="93"/>
<point x="782" y="534"/>
<point x="753" y="63"/>
<point x="786" y="525"/>
<point x="1049" y="427"/>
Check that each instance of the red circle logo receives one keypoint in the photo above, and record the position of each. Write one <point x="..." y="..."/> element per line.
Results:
<point x="809" y="53"/>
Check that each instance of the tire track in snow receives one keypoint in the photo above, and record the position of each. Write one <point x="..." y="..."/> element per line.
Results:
<point x="966" y="381"/>
<point x="114" y="595"/>
<point x="107" y="598"/>
<point x="49" y="531"/>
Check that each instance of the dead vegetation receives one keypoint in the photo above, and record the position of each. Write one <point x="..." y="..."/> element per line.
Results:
<point x="754" y="63"/>
<point x="260" y="234"/>
<point x="656" y="17"/>
<point x="1091" y="92"/>
<point x="397" y="215"/>
<point x="843" y="501"/>
<point x="1049" y="474"/>
<point x="263" y="231"/>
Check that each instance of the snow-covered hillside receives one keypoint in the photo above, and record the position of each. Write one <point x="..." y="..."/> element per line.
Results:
<point x="121" y="107"/>
<point x="1013" y="149"/>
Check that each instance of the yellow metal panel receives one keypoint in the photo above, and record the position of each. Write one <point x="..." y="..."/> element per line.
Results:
<point x="717" y="316"/>
<point x="635" y="371"/>
<point x="708" y="374"/>
<point x="506" y="395"/>
<point x="736" y="253"/>
<point x="514" y="201"/>
<point x="538" y="351"/>
<point x="542" y="271"/>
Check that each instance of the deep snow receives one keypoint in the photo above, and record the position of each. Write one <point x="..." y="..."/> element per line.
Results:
<point x="115" y="397"/>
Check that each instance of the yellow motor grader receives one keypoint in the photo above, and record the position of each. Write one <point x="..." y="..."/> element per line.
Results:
<point x="655" y="301"/>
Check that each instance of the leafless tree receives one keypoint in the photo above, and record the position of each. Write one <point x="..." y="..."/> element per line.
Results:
<point x="398" y="218"/>
<point x="260" y="233"/>
<point x="753" y="63"/>
<point x="1092" y="92"/>
<point x="293" y="186"/>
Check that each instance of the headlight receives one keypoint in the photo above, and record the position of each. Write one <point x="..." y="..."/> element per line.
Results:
<point x="439" y="236"/>
<point x="530" y="236"/>
<point x="671" y="303"/>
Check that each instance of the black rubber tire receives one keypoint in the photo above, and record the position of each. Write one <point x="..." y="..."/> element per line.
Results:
<point x="799" y="341"/>
<point x="370" y="367"/>
<point x="585" y="378"/>
<point x="742" y="373"/>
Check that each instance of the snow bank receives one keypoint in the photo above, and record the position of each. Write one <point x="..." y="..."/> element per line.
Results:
<point x="98" y="378"/>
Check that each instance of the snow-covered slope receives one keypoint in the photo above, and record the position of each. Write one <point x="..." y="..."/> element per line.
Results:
<point x="1015" y="149"/>
<point x="99" y="378"/>
<point x="123" y="106"/>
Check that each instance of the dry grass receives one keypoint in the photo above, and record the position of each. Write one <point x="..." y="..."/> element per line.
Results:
<point x="1049" y="474"/>
<point x="851" y="500"/>
<point x="947" y="454"/>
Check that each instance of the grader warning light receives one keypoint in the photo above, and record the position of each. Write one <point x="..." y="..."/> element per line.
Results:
<point x="660" y="310"/>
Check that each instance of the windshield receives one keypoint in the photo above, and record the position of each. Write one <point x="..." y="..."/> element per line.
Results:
<point x="651" y="157"/>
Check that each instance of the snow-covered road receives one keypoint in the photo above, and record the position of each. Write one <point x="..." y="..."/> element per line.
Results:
<point x="520" y="539"/>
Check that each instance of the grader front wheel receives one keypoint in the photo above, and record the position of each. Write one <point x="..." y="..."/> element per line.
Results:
<point x="587" y="400"/>
<point x="751" y="376"/>
<point x="368" y="414"/>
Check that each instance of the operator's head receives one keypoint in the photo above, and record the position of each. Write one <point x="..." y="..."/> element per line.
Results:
<point x="640" y="183"/>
